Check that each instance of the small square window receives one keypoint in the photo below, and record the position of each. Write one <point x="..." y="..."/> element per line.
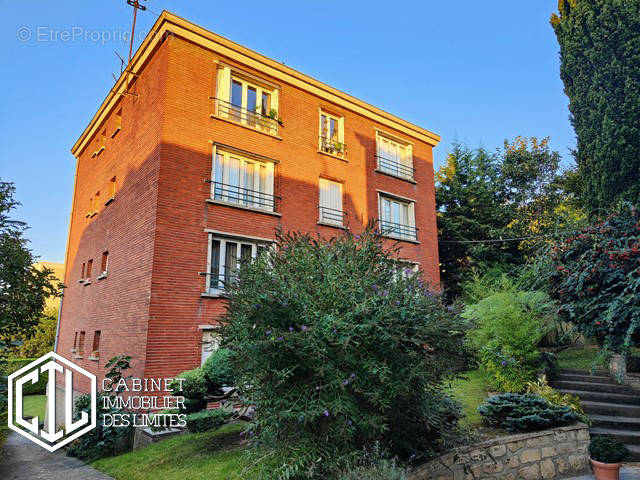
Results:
<point x="96" y="343"/>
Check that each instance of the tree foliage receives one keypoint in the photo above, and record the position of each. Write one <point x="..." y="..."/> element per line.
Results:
<point x="600" y="60"/>
<point x="338" y="350"/>
<point x="43" y="337"/>
<point x="23" y="288"/>
<point x="597" y="279"/>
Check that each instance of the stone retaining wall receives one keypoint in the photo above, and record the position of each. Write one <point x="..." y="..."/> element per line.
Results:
<point x="548" y="454"/>
<point x="618" y="370"/>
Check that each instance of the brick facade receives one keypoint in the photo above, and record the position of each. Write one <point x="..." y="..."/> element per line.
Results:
<point x="150" y="304"/>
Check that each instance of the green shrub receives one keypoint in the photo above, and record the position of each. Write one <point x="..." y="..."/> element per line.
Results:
<point x="554" y="397"/>
<point x="105" y="439"/>
<point x="508" y="329"/>
<point x="218" y="371"/>
<point x="337" y="350"/>
<point x="15" y="364"/>
<point x="597" y="280"/>
<point x="607" y="450"/>
<point x="207" y="420"/>
<point x="382" y="469"/>
<point x="525" y="413"/>
<point x="194" y="384"/>
<point x="43" y="337"/>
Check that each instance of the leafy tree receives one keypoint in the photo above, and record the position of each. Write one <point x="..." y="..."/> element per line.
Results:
<point x="597" y="280"/>
<point x="471" y="202"/>
<point x="600" y="60"/>
<point x="44" y="336"/>
<point x="338" y="350"/>
<point x="23" y="288"/>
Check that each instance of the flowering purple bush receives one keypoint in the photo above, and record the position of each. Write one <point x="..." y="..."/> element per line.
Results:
<point x="337" y="348"/>
<point x="597" y="280"/>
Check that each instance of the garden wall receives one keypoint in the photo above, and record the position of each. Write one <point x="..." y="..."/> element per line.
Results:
<point x="548" y="454"/>
<point x="625" y="370"/>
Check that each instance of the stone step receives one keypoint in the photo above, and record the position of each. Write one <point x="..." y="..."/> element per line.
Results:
<point x="635" y="453"/>
<point x="615" y="422"/>
<point x="628" y="437"/>
<point x="604" y="397"/>
<point x="591" y="387"/>
<point x="569" y="377"/>
<point x="575" y="371"/>
<point x="611" y="409"/>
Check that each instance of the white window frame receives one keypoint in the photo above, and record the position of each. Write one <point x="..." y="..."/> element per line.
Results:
<point x="334" y="215"/>
<point x="385" y="160"/>
<point x="224" y="240"/>
<point x="331" y="145"/>
<point x="211" y="340"/>
<point x="262" y="197"/>
<point x="259" y="119"/>
<point x="411" y="216"/>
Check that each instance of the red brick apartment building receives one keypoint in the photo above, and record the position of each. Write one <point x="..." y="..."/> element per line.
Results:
<point x="192" y="161"/>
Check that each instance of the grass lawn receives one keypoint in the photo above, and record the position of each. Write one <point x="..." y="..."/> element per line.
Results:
<point x="471" y="393"/>
<point x="196" y="456"/>
<point x="581" y="358"/>
<point x="34" y="405"/>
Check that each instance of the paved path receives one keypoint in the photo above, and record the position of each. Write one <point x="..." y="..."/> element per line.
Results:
<point x="21" y="459"/>
<point x="626" y="473"/>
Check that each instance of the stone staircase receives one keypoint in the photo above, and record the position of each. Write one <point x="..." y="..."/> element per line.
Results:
<point x="614" y="409"/>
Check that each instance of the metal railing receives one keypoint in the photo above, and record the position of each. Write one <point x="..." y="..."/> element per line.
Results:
<point x="221" y="281"/>
<point x="244" y="196"/>
<point x="398" y="230"/>
<point x="333" y="146"/>
<point x="331" y="215"/>
<point x="395" y="168"/>
<point x="237" y="114"/>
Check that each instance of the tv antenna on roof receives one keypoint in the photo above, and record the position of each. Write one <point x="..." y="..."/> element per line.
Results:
<point x="136" y="6"/>
<point x="128" y="70"/>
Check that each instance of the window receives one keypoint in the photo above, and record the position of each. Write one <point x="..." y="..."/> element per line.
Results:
<point x="226" y="254"/>
<point x="397" y="218"/>
<point x="96" y="343"/>
<point x="210" y="343"/>
<point x="330" y="207"/>
<point x="247" y="101"/>
<point x="80" y="348"/>
<point x="117" y="123"/>
<point x="112" y="191"/>
<point x="394" y="157"/>
<point x="104" y="265"/>
<point x="101" y="142"/>
<point x="244" y="181"/>
<point x="89" y="267"/>
<point x="75" y="341"/>
<point x="82" y="277"/>
<point x="332" y="134"/>
<point x="96" y="202"/>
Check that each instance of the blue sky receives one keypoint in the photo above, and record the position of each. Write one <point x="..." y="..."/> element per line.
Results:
<point x="478" y="72"/>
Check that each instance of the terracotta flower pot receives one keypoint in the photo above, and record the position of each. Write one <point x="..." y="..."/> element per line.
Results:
<point x="605" y="471"/>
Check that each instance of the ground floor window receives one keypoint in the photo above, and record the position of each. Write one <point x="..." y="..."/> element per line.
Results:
<point x="226" y="255"/>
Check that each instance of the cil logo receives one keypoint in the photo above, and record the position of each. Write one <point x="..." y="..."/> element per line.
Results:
<point x="48" y="437"/>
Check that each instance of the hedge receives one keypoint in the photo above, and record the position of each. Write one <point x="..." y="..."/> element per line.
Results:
<point x="207" y="420"/>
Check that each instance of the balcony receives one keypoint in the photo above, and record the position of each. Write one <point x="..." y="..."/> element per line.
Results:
<point x="397" y="230"/>
<point x="244" y="197"/>
<point x="331" y="216"/>
<point x="332" y="146"/>
<point x="395" y="168"/>
<point x="256" y="120"/>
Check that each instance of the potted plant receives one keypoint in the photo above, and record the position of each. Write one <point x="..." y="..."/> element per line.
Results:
<point x="606" y="455"/>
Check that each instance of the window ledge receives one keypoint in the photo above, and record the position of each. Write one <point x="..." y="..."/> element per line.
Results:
<point x="109" y="201"/>
<point x="333" y="155"/>
<point x="93" y="214"/>
<point x="93" y="359"/>
<point x="78" y="357"/>
<point x="115" y="132"/>
<point x="213" y="294"/>
<point x="334" y="225"/>
<point x="73" y="350"/>
<point x="272" y="135"/>
<point x="401" y="239"/>
<point x="410" y="180"/>
<point x="102" y="275"/>
<point x="81" y="280"/>
<point x="242" y="207"/>
<point x="87" y="282"/>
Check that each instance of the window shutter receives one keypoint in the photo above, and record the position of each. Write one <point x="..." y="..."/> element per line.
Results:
<point x="222" y="88"/>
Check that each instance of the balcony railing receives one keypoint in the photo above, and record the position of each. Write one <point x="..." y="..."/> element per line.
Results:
<point x="331" y="215"/>
<point x="332" y="146"/>
<point x="220" y="282"/>
<point x="398" y="230"/>
<point x="244" y="196"/>
<point x="257" y="120"/>
<point x="395" y="168"/>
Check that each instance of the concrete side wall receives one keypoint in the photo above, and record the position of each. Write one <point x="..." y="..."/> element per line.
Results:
<point x="549" y="454"/>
